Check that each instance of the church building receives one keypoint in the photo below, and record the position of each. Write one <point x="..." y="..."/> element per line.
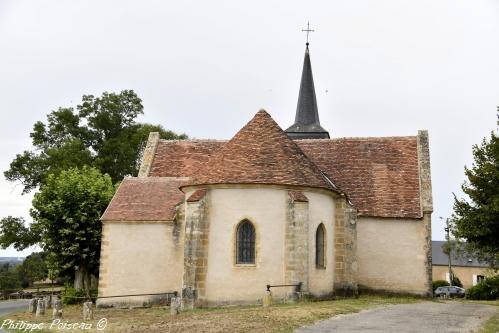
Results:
<point x="217" y="221"/>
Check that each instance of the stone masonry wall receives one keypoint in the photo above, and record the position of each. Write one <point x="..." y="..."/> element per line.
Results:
<point x="345" y="249"/>
<point x="296" y="244"/>
<point x="195" y="253"/>
<point x="103" y="263"/>
<point x="149" y="151"/>
<point x="426" y="200"/>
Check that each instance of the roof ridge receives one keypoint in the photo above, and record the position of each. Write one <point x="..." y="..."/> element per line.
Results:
<point x="358" y="138"/>
<point x="191" y="140"/>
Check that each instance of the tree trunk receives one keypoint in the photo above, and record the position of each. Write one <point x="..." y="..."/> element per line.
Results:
<point x="82" y="279"/>
<point x="78" y="283"/>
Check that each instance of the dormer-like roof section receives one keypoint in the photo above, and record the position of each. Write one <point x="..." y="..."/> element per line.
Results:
<point x="261" y="153"/>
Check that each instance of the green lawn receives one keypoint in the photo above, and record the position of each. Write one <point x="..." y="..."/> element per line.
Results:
<point x="278" y="318"/>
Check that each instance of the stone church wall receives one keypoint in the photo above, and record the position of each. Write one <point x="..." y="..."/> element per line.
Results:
<point x="322" y="210"/>
<point x="140" y="258"/>
<point x="227" y="281"/>
<point x="392" y="255"/>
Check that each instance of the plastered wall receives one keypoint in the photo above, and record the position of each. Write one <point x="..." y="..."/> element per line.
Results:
<point x="321" y="211"/>
<point x="391" y="255"/>
<point x="465" y="274"/>
<point x="138" y="258"/>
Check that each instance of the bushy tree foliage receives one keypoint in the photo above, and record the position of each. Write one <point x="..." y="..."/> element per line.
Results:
<point x="476" y="219"/>
<point x="66" y="213"/>
<point x="102" y="132"/>
<point x="15" y="232"/>
<point x="8" y="279"/>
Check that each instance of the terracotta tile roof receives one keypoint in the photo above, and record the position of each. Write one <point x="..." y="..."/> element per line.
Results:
<point x="297" y="196"/>
<point x="260" y="153"/>
<point x="145" y="199"/>
<point x="379" y="175"/>
<point x="197" y="195"/>
<point x="182" y="158"/>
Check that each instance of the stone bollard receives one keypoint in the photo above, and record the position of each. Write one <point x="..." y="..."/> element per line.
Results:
<point x="57" y="311"/>
<point x="32" y="305"/>
<point x="40" y="307"/>
<point x="175" y="304"/>
<point x="291" y="297"/>
<point x="88" y="311"/>
<point x="48" y="302"/>
<point x="267" y="299"/>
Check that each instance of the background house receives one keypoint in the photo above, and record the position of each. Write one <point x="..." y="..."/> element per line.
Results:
<point x="466" y="267"/>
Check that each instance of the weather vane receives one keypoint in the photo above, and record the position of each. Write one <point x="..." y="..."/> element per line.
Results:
<point x="308" y="30"/>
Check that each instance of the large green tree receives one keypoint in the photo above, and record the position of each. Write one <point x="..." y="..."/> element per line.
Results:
<point x="476" y="219"/>
<point x="66" y="214"/>
<point x="102" y="132"/>
<point x="66" y="224"/>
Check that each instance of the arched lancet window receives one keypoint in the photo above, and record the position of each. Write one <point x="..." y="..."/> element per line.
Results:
<point x="245" y="243"/>
<point x="320" y="246"/>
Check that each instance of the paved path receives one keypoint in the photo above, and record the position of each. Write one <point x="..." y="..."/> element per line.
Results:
<point x="7" y="307"/>
<point x="425" y="317"/>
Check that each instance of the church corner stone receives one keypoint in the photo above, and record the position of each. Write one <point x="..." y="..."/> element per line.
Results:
<point x="296" y="243"/>
<point x="149" y="151"/>
<point x="426" y="199"/>
<point x="345" y="247"/>
<point x="195" y="253"/>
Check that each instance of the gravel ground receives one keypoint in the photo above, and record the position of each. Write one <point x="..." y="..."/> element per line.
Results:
<point x="420" y="317"/>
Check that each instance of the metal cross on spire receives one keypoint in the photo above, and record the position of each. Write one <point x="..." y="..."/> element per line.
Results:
<point x="308" y="30"/>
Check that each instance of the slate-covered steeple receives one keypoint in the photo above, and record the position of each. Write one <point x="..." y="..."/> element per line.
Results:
<point x="307" y="125"/>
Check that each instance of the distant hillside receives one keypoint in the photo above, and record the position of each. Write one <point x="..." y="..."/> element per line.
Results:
<point x="11" y="260"/>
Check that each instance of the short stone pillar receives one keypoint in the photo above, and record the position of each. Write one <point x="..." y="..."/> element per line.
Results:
<point x="189" y="296"/>
<point x="291" y="297"/>
<point x="267" y="299"/>
<point x="40" y="307"/>
<point x="48" y="301"/>
<point x="57" y="310"/>
<point x="88" y="311"/>
<point x="32" y="305"/>
<point x="175" y="304"/>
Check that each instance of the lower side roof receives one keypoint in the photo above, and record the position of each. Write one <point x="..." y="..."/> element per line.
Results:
<point x="145" y="199"/>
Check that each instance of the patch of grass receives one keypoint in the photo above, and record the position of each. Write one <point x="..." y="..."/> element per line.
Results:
<point x="491" y="325"/>
<point x="494" y="303"/>
<point x="277" y="318"/>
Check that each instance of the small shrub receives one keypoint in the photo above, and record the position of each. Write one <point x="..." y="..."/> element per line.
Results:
<point x="439" y="283"/>
<point x="456" y="282"/>
<point x="488" y="289"/>
<point x="71" y="295"/>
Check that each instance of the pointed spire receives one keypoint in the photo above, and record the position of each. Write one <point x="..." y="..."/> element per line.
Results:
<point x="307" y="125"/>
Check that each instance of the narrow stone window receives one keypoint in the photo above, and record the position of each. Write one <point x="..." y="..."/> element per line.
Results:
<point x="320" y="247"/>
<point x="245" y="243"/>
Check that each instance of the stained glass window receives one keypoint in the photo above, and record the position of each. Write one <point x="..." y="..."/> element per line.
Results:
<point x="245" y="243"/>
<point x="320" y="247"/>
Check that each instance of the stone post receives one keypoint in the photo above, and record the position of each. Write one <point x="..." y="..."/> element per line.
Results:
<point x="48" y="301"/>
<point x="175" y="304"/>
<point x="32" y="305"/>
<point x="57" y="310"/>
<point x="267" y="299"/>
<point x="40" y="307"/>
<point x="88" y="311"/>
